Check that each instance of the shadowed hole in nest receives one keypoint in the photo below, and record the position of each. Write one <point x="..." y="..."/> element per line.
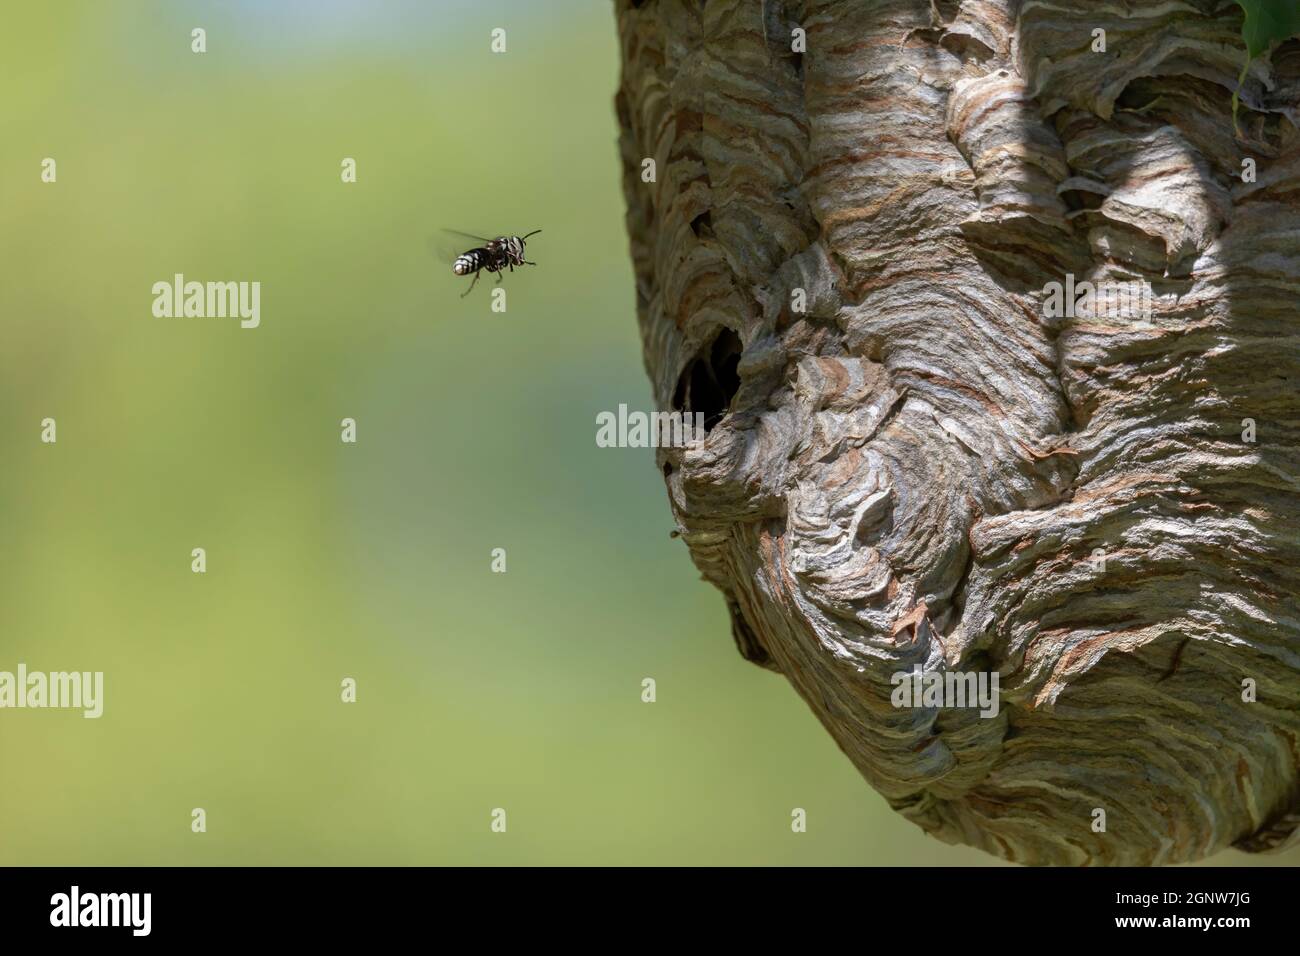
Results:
<point x="966" y="48"/>
<point x="1079" y="199"/>
<point x="870" y="532"/>
<point x="711" y="380"/>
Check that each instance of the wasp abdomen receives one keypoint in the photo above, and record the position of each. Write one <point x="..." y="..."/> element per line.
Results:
<point x="471" y="261"/>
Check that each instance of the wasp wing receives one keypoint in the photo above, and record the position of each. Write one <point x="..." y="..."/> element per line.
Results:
<point x="446" y="249"/>
<point x="468" y="235"/>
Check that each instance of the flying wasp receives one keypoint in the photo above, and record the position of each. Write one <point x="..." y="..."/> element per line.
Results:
<point x="495" y="255"/>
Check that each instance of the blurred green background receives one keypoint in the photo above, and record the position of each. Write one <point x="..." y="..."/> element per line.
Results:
<point x="372" y="561"/>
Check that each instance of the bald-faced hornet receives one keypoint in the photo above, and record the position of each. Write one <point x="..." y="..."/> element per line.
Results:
<point x="495" y="255"/>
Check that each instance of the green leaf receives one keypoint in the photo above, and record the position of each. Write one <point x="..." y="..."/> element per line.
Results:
<point x="1269" y="22"/>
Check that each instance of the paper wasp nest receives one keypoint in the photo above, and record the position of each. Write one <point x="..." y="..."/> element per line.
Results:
<point x="921" y="454"/>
